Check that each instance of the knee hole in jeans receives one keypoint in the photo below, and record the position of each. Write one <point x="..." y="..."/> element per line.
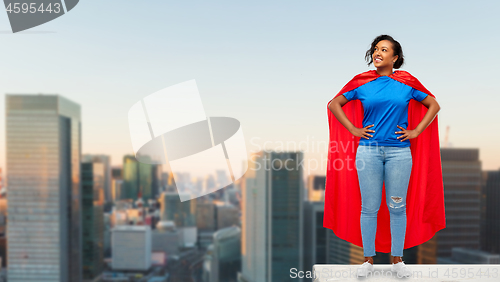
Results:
<point x="396" y="200"/>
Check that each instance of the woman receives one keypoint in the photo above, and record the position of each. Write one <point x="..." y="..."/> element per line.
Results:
<point x="386" y="102"/>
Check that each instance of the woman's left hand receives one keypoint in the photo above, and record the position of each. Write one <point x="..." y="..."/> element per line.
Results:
<point x="407" y="134"/>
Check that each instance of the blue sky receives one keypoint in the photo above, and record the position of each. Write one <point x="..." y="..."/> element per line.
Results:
<point x="274" y="66"/>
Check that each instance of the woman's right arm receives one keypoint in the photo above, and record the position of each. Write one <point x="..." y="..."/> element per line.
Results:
<point x="335" y="107"/>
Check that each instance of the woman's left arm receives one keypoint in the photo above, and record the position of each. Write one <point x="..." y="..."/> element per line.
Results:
<point x="433" y="108"/>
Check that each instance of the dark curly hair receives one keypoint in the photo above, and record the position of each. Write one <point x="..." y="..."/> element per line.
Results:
<point x="395" y="46"/>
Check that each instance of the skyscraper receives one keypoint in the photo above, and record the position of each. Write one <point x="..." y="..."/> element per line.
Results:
<point x="43" y="172"/>
<point x="272" y="217"/>
<point x="93" y="183"/>
<point x="315" y="235"/>
<point x="490" y="215"/>
<point x="106" y="161"/>
<point x="223" y="258"/>
<point x="462" y="189"/>
<point x="116" y="183"/>
<point x="140" y="179"/>
<point x="183" y="214"/>
<point x="316" y="188"/>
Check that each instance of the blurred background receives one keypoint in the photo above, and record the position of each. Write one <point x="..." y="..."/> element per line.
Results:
<point x="77" y="206"/>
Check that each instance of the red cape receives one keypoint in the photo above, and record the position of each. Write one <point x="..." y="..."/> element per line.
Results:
<point x="425" y="198"/>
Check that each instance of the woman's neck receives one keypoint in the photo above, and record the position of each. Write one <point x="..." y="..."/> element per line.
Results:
<point x="384" y="72"/>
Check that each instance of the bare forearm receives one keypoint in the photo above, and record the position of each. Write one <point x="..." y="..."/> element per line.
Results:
<point x="337" y="111"/>
<point x="428" y="118"/>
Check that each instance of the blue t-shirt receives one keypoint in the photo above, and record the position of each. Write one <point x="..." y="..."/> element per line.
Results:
<point x="385" y="103"/>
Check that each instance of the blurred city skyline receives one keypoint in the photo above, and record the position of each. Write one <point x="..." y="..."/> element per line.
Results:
<point x="273" y="66"/>
<point x="132" y="224"/>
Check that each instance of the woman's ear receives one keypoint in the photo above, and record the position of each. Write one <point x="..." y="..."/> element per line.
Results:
<point x="397" y="57"/>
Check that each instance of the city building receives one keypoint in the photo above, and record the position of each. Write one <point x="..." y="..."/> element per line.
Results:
<point x="315" y="247"/>
<point x="43" y="136"/>
<point x="462" y="189"/>
<point x="116" y="184"/>
<point x="106" y="161"/>
<point x="227" y="215"/>
<point x="93" y="183"/>
<point x="490" y="212"/>
<point x="140" y="179"/>
<point x="223" y="258"/>
<point x="272" y="217"/>
<point x="166" y="238"/>
<point x="131" y="247"/>
<point x="468" y="256"/>
<point x="182" y="214"/>
<point x="316" y="188"/>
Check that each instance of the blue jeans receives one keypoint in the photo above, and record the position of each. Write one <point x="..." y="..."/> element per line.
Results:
<point x="376" y="164"/>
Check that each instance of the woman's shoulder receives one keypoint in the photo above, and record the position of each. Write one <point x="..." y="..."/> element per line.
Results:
<point x="402" y="72"/>
<point x="410" y="80"/>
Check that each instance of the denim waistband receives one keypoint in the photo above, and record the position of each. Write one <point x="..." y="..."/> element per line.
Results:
<point x="367" y="147"/>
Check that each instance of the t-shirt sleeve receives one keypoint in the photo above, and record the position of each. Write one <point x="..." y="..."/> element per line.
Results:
<point x="418" y="95"/>
<point x="351" y="95"/>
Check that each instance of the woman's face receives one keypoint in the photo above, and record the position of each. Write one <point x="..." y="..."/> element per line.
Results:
<point x="383" y="55"/>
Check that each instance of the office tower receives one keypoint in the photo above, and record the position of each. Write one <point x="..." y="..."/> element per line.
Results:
<point x="490" y="215"/>
<point x="223" y="257"/>
<point x="231" y="196"/>
<point x="93" y="183"/>
<point x="316" y="188"/>
<point x="205" y="217"/>
<point x="107" y="235"/>
<point x="182" y="214"/>
<point x="106" y="161"/>
<point x="272" y="217"/>
<point x="213" y="216"/>
<point x="140" y="179"/>
<point x="227" y="215"/>
<point x="462" y="188"/>
<point x="130" y="178"/>
<point x="206" y="222"/>
<point x="164" y="181"/>
<point x="116" y="173"/>
<point x="314" y="235"/>
<point x="116" y="189"/>
<point x="340" y="251"/>
<point x="461" y="255"/>
<point x="131" y="247"/>
<point x="166" y="238"/>
<point x="116" y="183"/>
<point x="43" y="174"/>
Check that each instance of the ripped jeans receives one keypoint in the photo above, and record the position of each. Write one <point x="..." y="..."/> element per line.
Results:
<point x="374" y="165"/>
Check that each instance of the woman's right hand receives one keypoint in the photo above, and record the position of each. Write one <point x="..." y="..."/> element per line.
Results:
<point x="362" y="132"/>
